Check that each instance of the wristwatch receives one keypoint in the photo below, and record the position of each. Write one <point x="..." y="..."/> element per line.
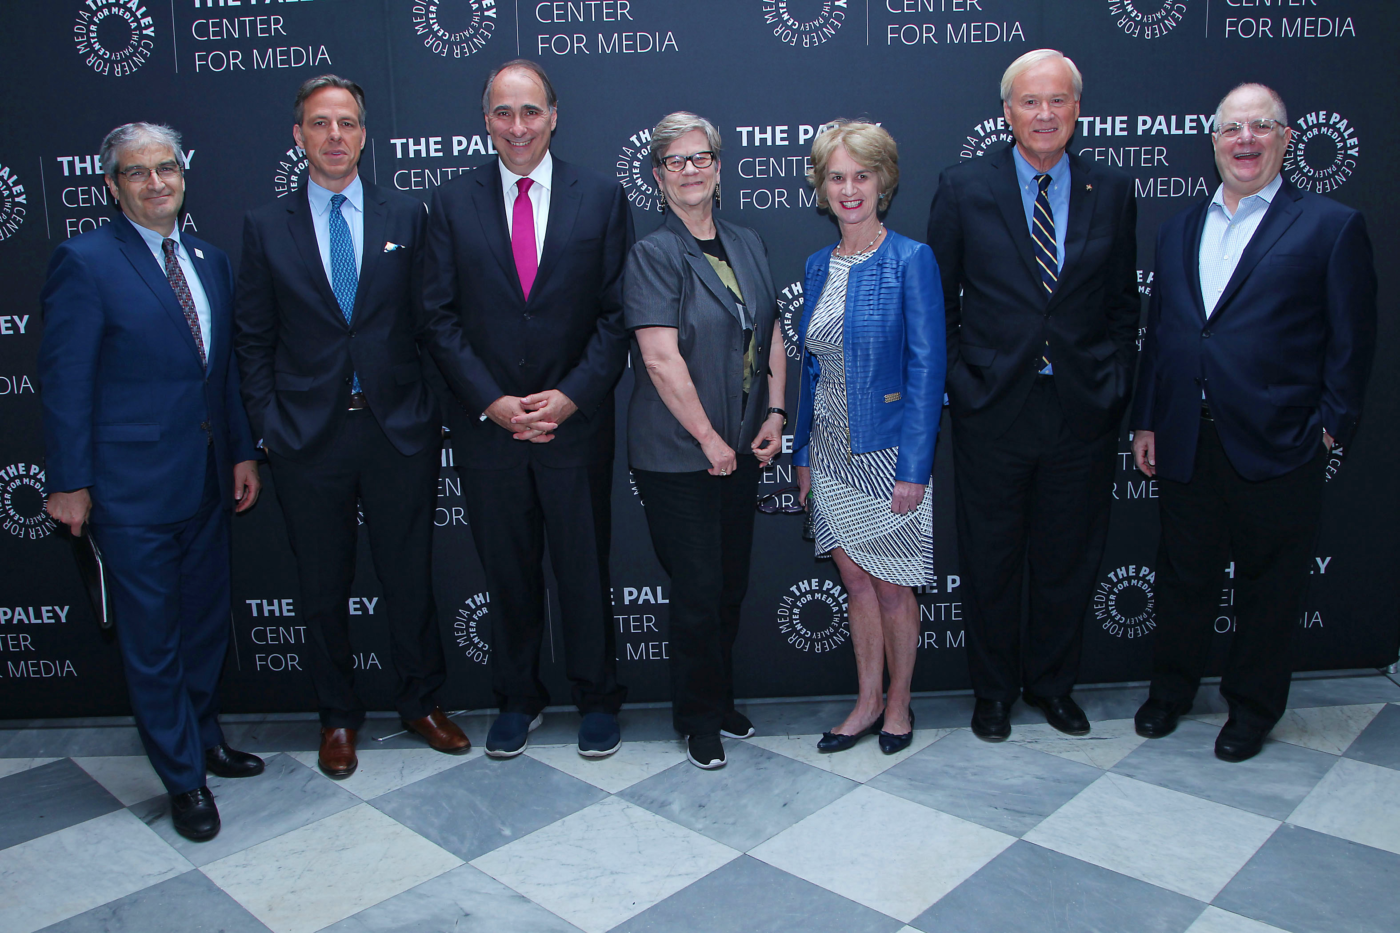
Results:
<point x="778" y="411"/>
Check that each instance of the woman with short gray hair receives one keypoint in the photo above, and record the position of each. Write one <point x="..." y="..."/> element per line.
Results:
<point x="699" y="299"/>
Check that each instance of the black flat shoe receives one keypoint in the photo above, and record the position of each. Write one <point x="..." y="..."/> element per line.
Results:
<point x="226" y="762"/>
<point x="991" y="720"/>
<point x="194" y="814"/>
<point x="891" y="743"/>
<point x="1061" y="713"/>
<point x="1157" y="719"/>
<point x="839" y="742"/>
<point x="1238" y="742"/>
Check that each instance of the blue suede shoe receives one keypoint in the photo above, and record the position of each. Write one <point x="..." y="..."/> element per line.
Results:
<point x="599" y="735"/>
<point x="510" y="734"/>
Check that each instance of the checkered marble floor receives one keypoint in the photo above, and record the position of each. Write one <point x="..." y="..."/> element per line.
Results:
<point x="1044" y="833"/>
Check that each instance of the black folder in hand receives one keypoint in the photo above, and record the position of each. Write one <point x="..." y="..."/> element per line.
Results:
<point x="93" y="572"/>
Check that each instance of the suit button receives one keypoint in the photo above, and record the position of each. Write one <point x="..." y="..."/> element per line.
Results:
<point x="521" y="363"/>
<point x="1198" y="380"/>
<point x="204" y="425"/>
<point x="349" y="381"/>
<point x="1205" y="333"/>
<point x="352" y="333"/>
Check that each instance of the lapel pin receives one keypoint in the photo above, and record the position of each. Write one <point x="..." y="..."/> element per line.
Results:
<point x="1088" y="187"/>
<point x="390" y="247"/>
<point x="199" y="252"/>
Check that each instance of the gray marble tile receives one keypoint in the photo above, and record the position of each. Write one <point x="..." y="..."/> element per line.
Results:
<point x="943" y="712"/>
<point x="1342" y="691"/>
<point x="464" y="900"/>
<point x="286" y="796"/>
<point x="755" y="897"/>
<point x="1003" y="786"/>
<point x="48" y="798"/>
<point x="756" y="795"/>
<point x="1309" y="882"/>
<point x="188" y="903"/>
<point x="1101" y="703"/>
<point x="1271" y="784"/>
<point x="1030" y="888"/>
<point x="1379" y="743"/>
<point x="268" y="738"/>
<point x="484" y="804"/>
<point x="805" y="718"/>
<point x="64" y="742"/>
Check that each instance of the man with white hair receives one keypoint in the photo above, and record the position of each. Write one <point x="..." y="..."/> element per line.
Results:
<point x="1259" y="344"/>
<point x="147" y="445"/>
<point x="1038" y="253"/>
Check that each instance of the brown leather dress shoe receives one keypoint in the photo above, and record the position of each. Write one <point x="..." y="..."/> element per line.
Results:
<point x="441" y="733"/>
<point x="337" y="758"/>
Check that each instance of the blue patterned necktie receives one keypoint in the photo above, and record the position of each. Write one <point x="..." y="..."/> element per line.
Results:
<point x="1043" y="234"/>
<point x="344" y="279"/>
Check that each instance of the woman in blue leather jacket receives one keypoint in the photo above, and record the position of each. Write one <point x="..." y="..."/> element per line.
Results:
<point x="870" y="398"/>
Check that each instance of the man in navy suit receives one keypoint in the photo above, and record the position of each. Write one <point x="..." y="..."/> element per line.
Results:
<point x="527" y="252"/>
<point x="147" y="442"/>
<point x="1259" y="343"/>
<point x="328" y="328"/>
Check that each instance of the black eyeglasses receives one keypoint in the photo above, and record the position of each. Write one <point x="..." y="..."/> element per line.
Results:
<point x="781" y="502"/>
<point x="675" y="163"/>
<point x="138" y="174"/>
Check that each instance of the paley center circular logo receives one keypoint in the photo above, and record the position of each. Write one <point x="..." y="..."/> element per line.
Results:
<point x="471" y="627"/>
<point x="1123" y="603"/>
<point x="114" y="37"/>
<point x="806" y="23"/>
<point x="453" y="28"/>
<point x="634" y="172"/>
<point x="291" y="167"/>
<point x="13" y="203"/>
<point x="985" y="136"/>
<point x="1148" y="19"/>
<point x="1323" y="153"/>
<point x="790" y="315"/>
<point x="812" y="616"/>
<point x="22" y="502"/>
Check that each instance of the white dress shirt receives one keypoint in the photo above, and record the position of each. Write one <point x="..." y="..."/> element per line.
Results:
<point x="543" y="177"/>
<point x="352" y="209"/>
<point x="201" y="300"/>
<point x="1225" y="237"/>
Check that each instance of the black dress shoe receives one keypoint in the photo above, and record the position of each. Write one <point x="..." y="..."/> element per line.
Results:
<point x="991" y="720"/>
<point x="226" y="762"/>
<point x="1061" y="713"/>
<point x="1238" y="742"/>
<point x="839" y="742"/>
<point x="1157" y="719"/>
<point x="194" y="814"/>
<point x="891" y="743"/>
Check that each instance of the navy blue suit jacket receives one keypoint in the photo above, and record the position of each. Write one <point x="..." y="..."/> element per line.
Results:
<point x="1287" y="352"/>
<point x="129" y="411"/>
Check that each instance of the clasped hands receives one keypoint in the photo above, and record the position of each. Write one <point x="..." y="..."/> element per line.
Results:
<point x="532" y="418"/>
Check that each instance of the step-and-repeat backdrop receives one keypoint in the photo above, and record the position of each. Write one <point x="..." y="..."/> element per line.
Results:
<point x="768" y="73"/>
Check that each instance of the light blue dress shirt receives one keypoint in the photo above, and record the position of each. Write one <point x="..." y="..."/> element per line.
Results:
<point x="353" y="210"/>
<point x="1225" y="237"/>
<point x="201" y="300"/>
<point x="1058" y="193"/>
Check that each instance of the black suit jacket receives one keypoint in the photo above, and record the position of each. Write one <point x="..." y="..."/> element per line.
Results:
<point x="295" y="349"/>
<point x="1287" y="351"/>
<point x="996" y="311"/>
<point x="568" y="336"/>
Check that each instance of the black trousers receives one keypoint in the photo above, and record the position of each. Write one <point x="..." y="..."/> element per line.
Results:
<point x="1036" y="496"/>
<point x="511" y="512"/>
<point x="1269" y="528"/>
<point x="702" y="530"/>
<point x="399" y="496"/>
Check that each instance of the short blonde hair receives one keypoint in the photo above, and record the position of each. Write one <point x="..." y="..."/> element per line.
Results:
<point x="869" y="144"/>
<point x="1023" y="64"/>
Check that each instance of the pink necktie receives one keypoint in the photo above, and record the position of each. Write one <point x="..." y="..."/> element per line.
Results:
<point x="522" y="236"/>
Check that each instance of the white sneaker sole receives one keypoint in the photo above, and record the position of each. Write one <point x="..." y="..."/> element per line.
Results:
<point x="733" y="735"/>
<point x="603" y="753"/>
<point x="534" y="724"/>
<point x="711" y="765"/>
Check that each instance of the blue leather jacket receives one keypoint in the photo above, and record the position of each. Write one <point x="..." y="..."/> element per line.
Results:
<point x="895" y="357"/>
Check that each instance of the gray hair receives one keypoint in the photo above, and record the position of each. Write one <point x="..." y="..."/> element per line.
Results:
<point x="1279" y="107"/>
<point x="137" y="136"/>
<point x="321" y="82"/>
<point x="1023" y="64"/>
<point x="551" y="100"/>
<point x="675" y="125"/>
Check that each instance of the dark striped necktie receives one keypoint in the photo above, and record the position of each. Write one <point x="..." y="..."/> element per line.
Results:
<point x="1043" y="235"/>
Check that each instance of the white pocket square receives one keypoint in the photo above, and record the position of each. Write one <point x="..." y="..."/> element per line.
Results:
<point x="390" y="247"/>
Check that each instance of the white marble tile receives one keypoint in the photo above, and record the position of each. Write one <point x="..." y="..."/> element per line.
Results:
<point x="10" y="766"/>
<point x="883" y="851"/>
<point x="633" y="762"/>
<point x="1164" y="837"/>
<point x="604" y="864"/>
<point x="328" y="870"/>
<point x="79" y="868"/>
<point x="382" y="771"/>
<point x="1356" y="801"/>
<point x="1329" y="729"/>
<point x="860" y="763"/>
<point x="1111" y="741"/>
<point x="1215" y="920"/>
<point x="129" y="778"/>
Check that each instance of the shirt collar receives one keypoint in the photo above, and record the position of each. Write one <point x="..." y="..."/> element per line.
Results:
<point x="320" y="198"/>
<point x="1025" y="172"/>
<point x="543" y="175"/>
<point x="154" y="239"/>
<point x="1265" y="194"/>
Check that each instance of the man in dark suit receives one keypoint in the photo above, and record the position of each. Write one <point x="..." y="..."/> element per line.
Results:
<point x="329" y="320"/>
<point x="527" y="252"/>
<point x="146" y="440"/>
<point x="1259" y="343"/>
<point x="1037" y="249"/>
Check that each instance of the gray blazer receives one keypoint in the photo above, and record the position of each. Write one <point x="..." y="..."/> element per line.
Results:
<point x="668" y="282"/>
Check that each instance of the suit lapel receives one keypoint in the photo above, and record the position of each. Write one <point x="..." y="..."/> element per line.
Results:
<point x="491" y="210"/>
<point x="1007" y="192"/>
<point x="700" y="264"/>
<point x="563" y="210"/>
<point x="304" y="236"/>
<point x="372" y="249"/>
<point x="1277" y="219"/>
<point x="1191" y="255"/>
<point x="140" y="257"/>
<point x="1082" y="197"/>
<point x="742" y="264"/>
<point x="215" y="291"/>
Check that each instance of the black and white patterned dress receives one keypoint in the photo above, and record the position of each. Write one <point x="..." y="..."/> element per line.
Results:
<point x="853" y="490"/>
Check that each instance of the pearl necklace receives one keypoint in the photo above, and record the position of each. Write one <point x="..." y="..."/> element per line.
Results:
<point x="865" y="249"/>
